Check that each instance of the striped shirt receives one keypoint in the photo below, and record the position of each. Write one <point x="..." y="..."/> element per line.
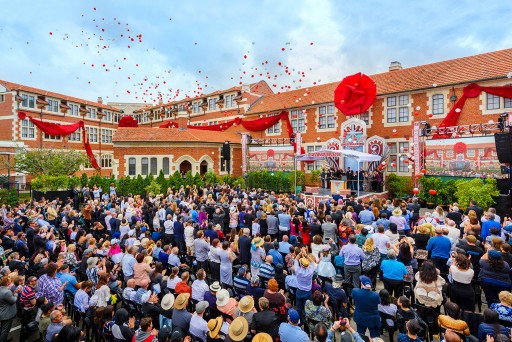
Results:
<point x="27" y="294"/>
<point x="266" y="270"/>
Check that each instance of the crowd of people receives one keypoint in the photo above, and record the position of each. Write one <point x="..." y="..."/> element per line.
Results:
<point x="227" y="264"/>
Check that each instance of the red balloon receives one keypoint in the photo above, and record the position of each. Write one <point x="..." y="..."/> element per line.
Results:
<point x="432" y="192"/>
<point x="415" y="191"/>
<point x="423" y="171"/>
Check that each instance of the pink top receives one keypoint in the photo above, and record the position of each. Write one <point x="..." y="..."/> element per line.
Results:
<point x="141" y="271"/>
<point x="229" y="308"/>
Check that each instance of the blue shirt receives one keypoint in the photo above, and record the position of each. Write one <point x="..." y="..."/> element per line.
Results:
<point x="70" y="286"/>
<point x="127" y="264"/>
<point x="486" y="228"/>
<point x="284" y="247"/>
<point x="164" y="258"/>
<point x="277" y="258"/>
<point x="439" y="246"/>
<point x="366" y="217"/>
<point x="292" y="333"/>
<point x="353" y="254"/>
<point x="266" y="270"/>
<point x="304" y="276"/>
<point x="393" y="270"/>
<point x="284" y="220"/>
<point x="174" y="260"/>
<point x="81" y="300"/>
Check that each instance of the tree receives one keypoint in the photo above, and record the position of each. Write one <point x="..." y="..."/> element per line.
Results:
<point x="164" y="184"/>
<point x="153" y="188"/>
<point x="49" y="162"/>
<point x="476" y="190"/>
<point x="198" y="180"/>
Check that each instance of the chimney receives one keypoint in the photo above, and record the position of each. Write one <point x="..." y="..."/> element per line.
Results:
<point x="100" y="99"/>
<point x="160" y="101"/>
<point x="395" y="66"/>
<point x="246" y="87"/>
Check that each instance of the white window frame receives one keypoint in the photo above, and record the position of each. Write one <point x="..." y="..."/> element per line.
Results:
<point x="316" y="165"/>
<point x="76" y="136"/>
<point x="92" y="113"/>
<point x="144" y="167"/>
<point x="28" y="100"/>
<point x="397" y="110"/>
<point x="92" y="134"/>
<point x="196" y="107"/>
<point x="212" y="104"/>
<point x="299" y="121"/>
<point x="106" y="135"/>
<point x="326" y="118"/>
<point x="166" y="163"/>
<point x="53" y="105"/>
<point x="48" y="137"/>
<point x="134" y="164"/>
<point x="28" y="130"/>
<point x="438" y="104"/>
<point x="74" y="109"/>
<point x="106" y="161"/>
<point x="229" y="100"/>
<point x="153" y="167"/>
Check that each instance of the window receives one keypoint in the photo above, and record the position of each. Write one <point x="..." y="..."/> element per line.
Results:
<point x="131" y="166"/>
<point x="92" y="134"/>
<point x="230" y="100"/>
<point x="154" y="166"/>
<point x="196" y="107"/>
<point x="74" y="110"/>
<point x="165" y="165"/>
<point x="402" y="165"/>
<point x="117" y="117"/>
<point x="317" y="164"/>
<point x="144" y="166"/>
<point x="92" y="113"/>
<point x="28" y="101"/>
<point x="326" y="116"/>
<point x="28" y="131"/>
<point x="507" y="103"/>
<point x="493" y="101"/>
<point x="106" y="161"/>
<point x="437" y="104"/>
<point x="53" y="105"/>
<point x="449" y="154"/>
<point x="470" y="153"/>
<point x="106" y="136"/>
<point x="365" y="117"/>
<point x="297" y="120"/>
<point x="276" y="129"/>
<point x="392" y="158"/>
<point x="51" y="137"/>
<point x="401" y="107"/>
<point x="108" y="116"/>
<point x="2" y="97"/>
<point x="76" y="136"/>
<point x="212" y="104"/>
<point x="211" y="123"/>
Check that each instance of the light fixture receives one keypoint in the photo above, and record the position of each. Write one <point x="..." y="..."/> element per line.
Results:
<point x="453" y="98"/>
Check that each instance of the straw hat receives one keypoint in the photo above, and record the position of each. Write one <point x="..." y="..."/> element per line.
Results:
<point x="238" y="329"/>
<point x="215" y="287"/>
<point x="182" y="300"/>
<point x="167" y="301"/>
<point x="214" y="326"/>
<point x="262" y="337"/>
<point x="92" y="261"/>
<point x="258" y="242"/>
<point x="246" y="304"/>
<point x="124" y="222"/>
<point x="397" y="212"/>
<point x="222" y="297"/>
<point x="304" y="262"/>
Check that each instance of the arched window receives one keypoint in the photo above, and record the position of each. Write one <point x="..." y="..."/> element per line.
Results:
<point x="144" y="166"/>
<point x="131" y="166"/>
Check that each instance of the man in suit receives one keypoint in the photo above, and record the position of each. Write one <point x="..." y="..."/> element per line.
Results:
<point x="244" y="246"/>
<point x="478" y="210"/>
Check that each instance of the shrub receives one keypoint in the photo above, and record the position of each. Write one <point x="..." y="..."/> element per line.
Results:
<point x="476" y="190"/>
<point x="314" y="177"/>
<point x="398" y="186"/>
<point x="44" y="183"/>
<point x="153" y="188"/>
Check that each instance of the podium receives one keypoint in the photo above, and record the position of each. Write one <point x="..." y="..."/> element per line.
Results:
<point x="337" y="185"/>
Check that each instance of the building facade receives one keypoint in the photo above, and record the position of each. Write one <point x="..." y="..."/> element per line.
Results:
<point x="405" y="96"/>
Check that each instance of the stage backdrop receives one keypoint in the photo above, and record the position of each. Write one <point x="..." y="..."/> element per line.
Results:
<point x="271" y="158"/>
<point x="463" y="157"/>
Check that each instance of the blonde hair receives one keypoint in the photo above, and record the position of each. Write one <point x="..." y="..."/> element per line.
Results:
<point x="71" y="247"/>
<point x="505" y="297"/>
<point x="369" y="245"/>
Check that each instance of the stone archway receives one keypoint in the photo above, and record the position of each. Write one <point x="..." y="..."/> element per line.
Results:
<point x="185" y="166"/>
<point x="203" y="167"/>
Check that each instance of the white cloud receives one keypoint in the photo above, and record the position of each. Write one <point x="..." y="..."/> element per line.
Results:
<point x="472" y="43"/>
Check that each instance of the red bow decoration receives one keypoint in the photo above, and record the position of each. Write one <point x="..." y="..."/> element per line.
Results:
<point x="355" y="94"/>
<point x="127" y="121"/>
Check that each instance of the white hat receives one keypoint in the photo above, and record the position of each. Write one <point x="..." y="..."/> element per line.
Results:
<point x="136" y="243"/>
<point x="222" y="297"/>
<point x="167" y="301"/>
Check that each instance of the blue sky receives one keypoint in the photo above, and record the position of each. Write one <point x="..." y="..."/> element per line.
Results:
<point x="192" y="47"/>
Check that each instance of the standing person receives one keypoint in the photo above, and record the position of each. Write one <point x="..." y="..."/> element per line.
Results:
<point x="462" y="292"/>
<point x="393" y="272"/>
<point x="244" y="247"/>
<point x="7" y="306"/>
<point x="257" y="255"/>
<point x="329" y="230"/>
<point x="478" y="210"/>
<point x="371" y="261"/>
<point x="226" y="264"/>
<point x="304" y="270"/>
<point x="366" y="302"/>
<point x="179" y="234"/>
<point x="439" y="248"/>
<point x="284" y="223"/>
<point x="353" y="258"/>
<point x="201" y="249"/>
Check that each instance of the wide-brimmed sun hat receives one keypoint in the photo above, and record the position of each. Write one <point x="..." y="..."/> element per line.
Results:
<point x="246" y="304"/>
<point x="181" y="301"/>
<point x="167" y="301"/>
<point x="397" y="212"/>
<point x="222" y="297"/>
<point x="214" y="326"/>
<point x="258" y="242"/>
<point x="238" y="329"/>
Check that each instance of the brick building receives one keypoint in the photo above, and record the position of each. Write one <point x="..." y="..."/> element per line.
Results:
<point x="404" y="96"/>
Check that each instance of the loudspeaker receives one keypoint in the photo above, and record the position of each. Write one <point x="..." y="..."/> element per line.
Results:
<point x="226" y="151"/>
<point x="503" y="147"/>
<point x="502" y="205"/>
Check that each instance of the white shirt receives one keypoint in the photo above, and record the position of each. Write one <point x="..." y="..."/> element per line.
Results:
<point x="169" y="227"/>
<point x="124" y="230"/>
<point x="129" y="293"/>
<point x="198" y="327"/>
<point x="171" y="283"/>
<point x="189" y="235"/>
<point x="161" y="214"/>
<point x="199" y="288"/>
<point x="382" y="242"/>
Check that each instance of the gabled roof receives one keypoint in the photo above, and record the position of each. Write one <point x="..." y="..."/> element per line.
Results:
<point x="486" y="66"/>
<point x="169" y="135"/>
<point x="15" y="86"/>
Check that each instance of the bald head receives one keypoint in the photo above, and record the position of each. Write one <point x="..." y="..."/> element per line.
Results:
<point x="131" y="283"/>
<point x="144" y="283"/>
<point x="269" y="259"/>
<point x="285" y="238"/>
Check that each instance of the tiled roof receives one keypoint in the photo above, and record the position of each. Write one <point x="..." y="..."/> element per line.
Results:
<point x="260" y="87"/>
<point x="14" y="86"/>
<point x="169" y="135"/>
<point x="486" y="66"/>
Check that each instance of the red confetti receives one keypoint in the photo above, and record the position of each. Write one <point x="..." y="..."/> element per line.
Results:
<point x="245" y="56"/>
<point x="94" y="8"/>
<point x="311" y="43"/>
<point x="51" y="33"/>
<point x="282" y="49"/>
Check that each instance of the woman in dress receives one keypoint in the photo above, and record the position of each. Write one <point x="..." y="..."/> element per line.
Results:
<point x="325" y="268"/>
<point x="257" y="255"/>
<point x="371" y="261"/>
<point x="429" y="286"/>
<point x="226" y="264"/>
<point x="214" y="260"/>
<point x="462" y="292"/>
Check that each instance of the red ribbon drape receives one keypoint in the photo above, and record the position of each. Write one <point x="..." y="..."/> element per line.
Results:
<point x="251" y="125"/>
<point x="470" y="91"/>
<point x="57" y="129"/>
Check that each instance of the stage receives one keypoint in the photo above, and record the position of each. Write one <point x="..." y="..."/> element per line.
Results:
<point x="314" y="195"/>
